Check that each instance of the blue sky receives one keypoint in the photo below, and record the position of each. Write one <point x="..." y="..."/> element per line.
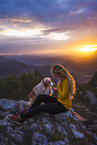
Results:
<point x="47" y="27"/>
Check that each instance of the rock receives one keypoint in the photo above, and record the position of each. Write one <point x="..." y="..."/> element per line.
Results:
<point x="63" y="116"/>
<point x="49" y="128"/>
<point x="80" y="117"/>
<point x="60" y="143"/>
<point x="95" y="137"/>
<point x="77" y="122"/>
<point x="57" y="143"/>
<point x="90" y="135"/>
<point x="83" y="128"/>
<point x="42" y="128"/>
<point x="62" y="130"/>
<point x="4" y="114"/>
<point x="92" y="97"/>
<point x="39" y="138"/>
<point x="66" y="140"/>
<point x="17" y="137"/>
<point x="7" y="104"/>
<point x="33" y="126"/>
<point x="22" y="105"/>
<point x="92" y="127"/>
<point x="76" y="133"/>
<point x="91" y="100"/>
<point x="4" y="122"/>
<point x="45" y="120"/>
<point x="51" y="143"/>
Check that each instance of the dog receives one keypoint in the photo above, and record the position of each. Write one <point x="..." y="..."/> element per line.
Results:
<point x="44" y="87"/>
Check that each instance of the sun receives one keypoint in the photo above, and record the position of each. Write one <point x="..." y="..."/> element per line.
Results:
<point x="88" y="48"/>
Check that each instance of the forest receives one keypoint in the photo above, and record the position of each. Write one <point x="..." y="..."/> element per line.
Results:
<point x="18" y="88"/>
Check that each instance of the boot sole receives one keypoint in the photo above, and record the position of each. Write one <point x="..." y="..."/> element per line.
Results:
<point x="14" y="121"/>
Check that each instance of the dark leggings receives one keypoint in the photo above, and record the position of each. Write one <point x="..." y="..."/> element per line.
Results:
<point x="51" y="106"/>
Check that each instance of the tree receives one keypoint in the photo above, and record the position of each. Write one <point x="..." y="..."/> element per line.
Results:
<point x="93" y="81"/>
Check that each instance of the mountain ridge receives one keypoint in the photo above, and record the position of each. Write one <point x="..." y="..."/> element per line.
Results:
<point x="76" y="66"/>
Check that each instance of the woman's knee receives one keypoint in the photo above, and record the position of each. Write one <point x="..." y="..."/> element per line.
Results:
<point x="43" y="98"/>
<point x="40" y="96"/>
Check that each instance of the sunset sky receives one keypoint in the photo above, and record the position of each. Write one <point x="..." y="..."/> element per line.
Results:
<point x="48" y="27"/>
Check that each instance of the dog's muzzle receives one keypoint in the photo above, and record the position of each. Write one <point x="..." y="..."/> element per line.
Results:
<point x="46" y="84"/>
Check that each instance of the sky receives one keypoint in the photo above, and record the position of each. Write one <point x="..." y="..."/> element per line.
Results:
<point x="48" y="27"/>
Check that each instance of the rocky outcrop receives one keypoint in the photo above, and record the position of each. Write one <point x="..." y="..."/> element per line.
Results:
<point x="42" y="128"/>
<point x="91" y="100"/>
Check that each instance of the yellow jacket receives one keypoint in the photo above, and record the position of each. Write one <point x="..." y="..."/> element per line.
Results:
<point x="63" y="94"/>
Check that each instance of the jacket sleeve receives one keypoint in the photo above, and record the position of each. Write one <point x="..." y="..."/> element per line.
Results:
<point x="63" y="90"/>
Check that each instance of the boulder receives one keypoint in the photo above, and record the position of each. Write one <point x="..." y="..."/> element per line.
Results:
<point x="91" y="100"/>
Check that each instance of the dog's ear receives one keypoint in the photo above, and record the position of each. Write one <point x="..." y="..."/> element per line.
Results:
<point x="50" y="79"/>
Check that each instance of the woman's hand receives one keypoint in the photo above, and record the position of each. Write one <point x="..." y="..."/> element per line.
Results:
<point x="59" y="82"/>
<point x="54" y="89"/>
<point x="30" y="94"/>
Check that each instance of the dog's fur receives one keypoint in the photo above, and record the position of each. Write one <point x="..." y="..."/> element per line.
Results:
<point x="44" y="87"/>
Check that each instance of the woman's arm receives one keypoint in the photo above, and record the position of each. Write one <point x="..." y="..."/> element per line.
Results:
<point x="63" y="90"/>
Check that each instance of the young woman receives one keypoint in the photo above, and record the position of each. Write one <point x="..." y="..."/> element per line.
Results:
<point x="62" y="103"/>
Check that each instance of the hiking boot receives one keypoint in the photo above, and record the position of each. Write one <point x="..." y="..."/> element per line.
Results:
<point x="14" y="116"/>
<point x="24" y="111"/>
<point x="16" y="120"/>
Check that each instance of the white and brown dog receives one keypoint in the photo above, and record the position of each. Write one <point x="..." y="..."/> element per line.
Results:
<point x="44" y="87"/>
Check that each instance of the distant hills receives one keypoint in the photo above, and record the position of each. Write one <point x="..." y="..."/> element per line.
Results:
<point x="86" y="65"/>
<point x="82" y="68"/>
<point x="9" y="67"/>
<point x="38" y="60"/>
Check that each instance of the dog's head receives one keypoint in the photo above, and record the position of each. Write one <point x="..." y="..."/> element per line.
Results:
<point x="46" y="81"/>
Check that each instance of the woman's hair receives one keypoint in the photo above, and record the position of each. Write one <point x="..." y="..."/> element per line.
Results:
<point x="60" y="70"/>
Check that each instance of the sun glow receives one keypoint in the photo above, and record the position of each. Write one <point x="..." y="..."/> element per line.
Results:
<point x="88" y="48"/>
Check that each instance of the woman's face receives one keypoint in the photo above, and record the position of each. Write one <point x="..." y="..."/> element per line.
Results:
<point x="58" y="76"/>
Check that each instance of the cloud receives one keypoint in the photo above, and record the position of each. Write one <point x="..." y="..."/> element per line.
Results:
<point x="53" y="12"/>
<point x="72" y="19"/>
<point x="29" y="46"/>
